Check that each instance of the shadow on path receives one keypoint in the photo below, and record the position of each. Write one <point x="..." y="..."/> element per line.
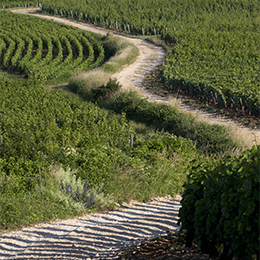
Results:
<point x="93" y="236"/>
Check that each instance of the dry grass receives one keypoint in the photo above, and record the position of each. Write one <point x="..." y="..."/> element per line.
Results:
<point x="127" y="89"/>
<point x="173" y="101"/>
<point x="244" y="136"/>
<point x="83" y="83"/>
<point x="95" y="77"/>
<point x="122" y="54"/>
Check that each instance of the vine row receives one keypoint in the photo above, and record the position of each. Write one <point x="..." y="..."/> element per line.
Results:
<point x="44" y="49"/>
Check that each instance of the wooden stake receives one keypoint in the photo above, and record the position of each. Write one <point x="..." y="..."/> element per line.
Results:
<point x="131" y="140"/>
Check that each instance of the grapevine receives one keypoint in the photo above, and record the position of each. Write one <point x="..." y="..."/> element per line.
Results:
<point x="29" y="49"/>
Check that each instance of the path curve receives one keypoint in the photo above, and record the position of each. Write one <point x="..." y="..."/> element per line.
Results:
<point x="98" y="236"/>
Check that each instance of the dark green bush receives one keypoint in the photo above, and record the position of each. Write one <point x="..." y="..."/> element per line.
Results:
<point x="220" y="206"/>
<point x="105" y="91"/>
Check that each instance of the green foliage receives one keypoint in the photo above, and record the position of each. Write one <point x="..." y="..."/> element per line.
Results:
<point x="52" y="50"/>
<point x="20" y="3"/>
<point x="40" y="128"/>
<point x="163" y="143"/>
<point x="220" y="205"/>
<point x="45" y="201"/>
<point x="215" y="44"/>
<point x="105" y="91"/>
<point x="154" y="165"/>
<point x="210" y="139"/>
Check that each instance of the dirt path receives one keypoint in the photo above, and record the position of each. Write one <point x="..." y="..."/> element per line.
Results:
<point x="151" y="56"/>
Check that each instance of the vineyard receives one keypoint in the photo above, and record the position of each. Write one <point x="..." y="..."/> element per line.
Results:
<point x="22" y="3"/>
<point x="44" y="49"/>
<point x="215" y="44"/>
<point x="54" y="143"/>
<point x="49" y="137"/>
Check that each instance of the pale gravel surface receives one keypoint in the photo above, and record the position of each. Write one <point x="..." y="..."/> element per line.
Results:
<point x="93" y="236"/>
<point x="100" y="236"/>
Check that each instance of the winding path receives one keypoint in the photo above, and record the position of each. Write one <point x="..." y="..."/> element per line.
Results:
<point x="102" y="235"/>
<point x="149" y="57"/>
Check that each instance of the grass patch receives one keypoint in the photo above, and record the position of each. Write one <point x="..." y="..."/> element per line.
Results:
<point x="83" y="84"/>
<point x="146" y="181"/>
<point x="48" y="201"/>
<point x="154" y="166"/>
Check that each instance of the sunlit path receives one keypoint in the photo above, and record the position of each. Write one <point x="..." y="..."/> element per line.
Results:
<point x="94" y="236"/>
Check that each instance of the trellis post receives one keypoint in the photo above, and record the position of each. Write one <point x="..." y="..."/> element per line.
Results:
<point x="131" y="140"/>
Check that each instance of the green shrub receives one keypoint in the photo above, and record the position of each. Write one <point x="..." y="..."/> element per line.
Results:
<point x="163" y="143"/>
<point x="113" y="45"/>
<point x="220" y="206"/>
<point x="105" y="91"/>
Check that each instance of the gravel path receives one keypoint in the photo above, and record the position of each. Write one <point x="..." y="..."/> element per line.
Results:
<point x="93" y="236"/>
